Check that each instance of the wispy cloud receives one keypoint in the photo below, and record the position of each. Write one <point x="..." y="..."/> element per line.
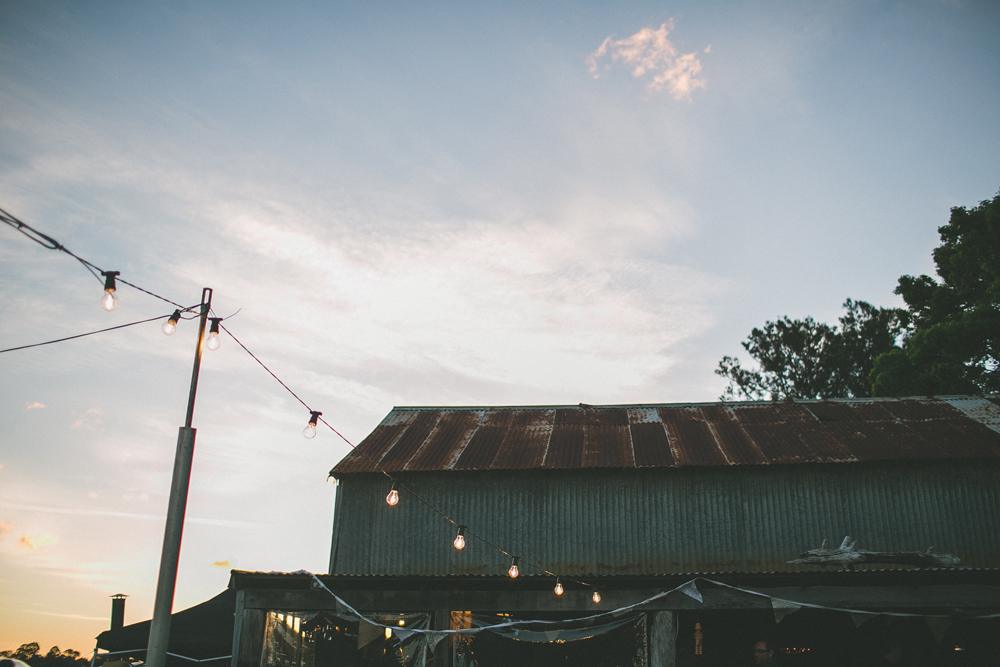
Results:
<point x="129" y="515"/>
<point x="31" y="542"/>
<point x="5" y="528"/>
<point x="90" y="420"/>
<point x="650" y="52"/>
<point x="226" y="564"/>
<point x="34" y="406"/>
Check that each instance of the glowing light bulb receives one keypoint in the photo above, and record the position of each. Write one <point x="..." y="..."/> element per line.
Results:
<point x="109" y="301"/>
<point x="388" y="633"/>
<point x="170" y="326"/>
<point x="393" y="496"/>
<point x="559" y="587"/>
<point x="214" y="341"/>
<point x="310" y="430"/>
<point x="596" y="597"/>
<point x="460" y="538"/>
<point x="513" y="571"/>
<point x="402" y="622"/>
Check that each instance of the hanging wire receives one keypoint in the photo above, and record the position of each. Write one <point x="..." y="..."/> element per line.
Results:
<point x="50" y="243"/>
<point x="90" y="333"/>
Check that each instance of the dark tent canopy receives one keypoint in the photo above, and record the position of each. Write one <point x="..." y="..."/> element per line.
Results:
<point x="198" y="633"/>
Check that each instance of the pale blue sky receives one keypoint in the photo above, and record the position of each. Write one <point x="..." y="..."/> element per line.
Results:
<point x="424" y="204"/>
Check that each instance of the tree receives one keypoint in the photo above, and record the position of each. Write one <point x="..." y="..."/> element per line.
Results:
<point x="955" y="345"/>
<point x="809" y="359"/>
<point x="945" y="342"/>
<point x="31" y="654"/>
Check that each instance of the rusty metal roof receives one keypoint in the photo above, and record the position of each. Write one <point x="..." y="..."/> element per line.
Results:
<point x="658" y="436"/>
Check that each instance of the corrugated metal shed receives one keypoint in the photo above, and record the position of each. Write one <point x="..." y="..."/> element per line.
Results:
<point x="668" y="436"/>
<point x="666" y="520"/>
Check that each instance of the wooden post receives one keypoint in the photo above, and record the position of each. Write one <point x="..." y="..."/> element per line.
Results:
<point x="662" y="638"/>
<point x="248" y="634"/>
<point x="441" y="620"/>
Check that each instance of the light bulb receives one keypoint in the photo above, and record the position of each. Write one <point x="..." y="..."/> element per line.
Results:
<point x="559" y="587"/>
<point x="310" y="430"/>
<point x="597" y="597"/>
<point x="460" y="538"/>
<point x="513" y="572"/>
<point x="393" y="496"/>
<point x="109" y="301"/>
<point x="170" y="326"/>
<point x="402" y="622"/>
<point x="388" y="633"/>
<point x="213" y="341"/>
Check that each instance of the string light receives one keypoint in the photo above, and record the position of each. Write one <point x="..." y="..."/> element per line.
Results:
<point x="110" y="300"/>
<point x="170" y="326"/>
<point x="214" y="341"/>
<point x="388" y="633"/>
<point x="310" y="430"/>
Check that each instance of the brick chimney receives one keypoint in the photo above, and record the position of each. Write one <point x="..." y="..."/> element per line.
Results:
<point x="118" y="611"/>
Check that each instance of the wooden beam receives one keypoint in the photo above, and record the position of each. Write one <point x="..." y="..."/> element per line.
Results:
<point x="579" y="603"/>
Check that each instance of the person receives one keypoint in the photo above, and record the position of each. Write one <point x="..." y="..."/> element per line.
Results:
<point x="763" y="653"/>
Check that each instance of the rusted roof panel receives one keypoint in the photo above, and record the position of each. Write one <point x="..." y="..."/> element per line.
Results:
<point x="565" y="446"/>
<point x="630" y="436"/>
<point x="650" y="446"/>
<point x="526" y="440"/>
<point x="446" y="442"/>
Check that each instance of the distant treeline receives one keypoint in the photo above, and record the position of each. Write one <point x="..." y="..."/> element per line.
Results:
<point x="32" y="654"/>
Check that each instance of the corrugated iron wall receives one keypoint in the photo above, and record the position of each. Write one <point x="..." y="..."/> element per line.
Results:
<point x="663" y="521"/>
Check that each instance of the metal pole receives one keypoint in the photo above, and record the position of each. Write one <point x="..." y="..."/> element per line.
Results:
<point x="159" y="631"/>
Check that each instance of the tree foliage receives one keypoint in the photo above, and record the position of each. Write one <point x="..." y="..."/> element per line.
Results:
<point x="809" y="359"/>
<point x="31" y="653"/>
<point x="955" y="345"/>
<point x="944" y="342"/>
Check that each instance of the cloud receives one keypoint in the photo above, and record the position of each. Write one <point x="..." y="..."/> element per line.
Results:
<point x="34" y="406"/>
<point x="649" y="52"/>
<point x="89" y="421"/>
<point x="32" y="542"/>
<point x="5" y="528"/>
<point x="226" y="564"/>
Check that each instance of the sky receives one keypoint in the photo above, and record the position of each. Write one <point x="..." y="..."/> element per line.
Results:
<point x="423" y="204"/>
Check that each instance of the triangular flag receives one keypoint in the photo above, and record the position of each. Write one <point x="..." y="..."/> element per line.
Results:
<point x="368" y="632"/>
<point x="859" y="618"/>
<point x="691" y="590"/>
<point x="782" y="608"/>
<point x="402" y="633"/>
<point x="434" y="638"/>
<point x="938" y="625"/>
